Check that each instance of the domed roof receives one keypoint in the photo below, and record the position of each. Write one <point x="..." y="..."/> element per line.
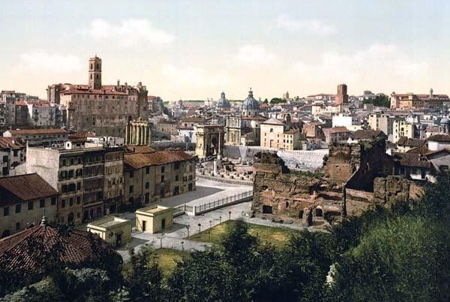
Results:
<point x="223" y="102"/>
<point x="250" y="103"/>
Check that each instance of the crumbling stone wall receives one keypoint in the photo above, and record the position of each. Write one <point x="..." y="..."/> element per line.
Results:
<point x="309" y="197"/>
<point x="392" y="189"/>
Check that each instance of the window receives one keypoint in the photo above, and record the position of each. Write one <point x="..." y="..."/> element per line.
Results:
<point x="147" y="170"/>
<point x="163" y="169"/>
<point x="18" y="208"/>
<point x="70" y="201"/>
<point x="176" y="178"/>
<point x="17" y="226"/>
<point x="64" y="162"/>
<point x="63" y="203"/>
<point x="131" y="189"/>
<point x="131" y="174"/>
<point x="177" y="166"/>
<point x="30" y="206"/>
<point x="6" y="211"/>
<point x="53" y="201"/>
<point x="162" y="178"/>
<point x="78" y="199"/>
<point x="147" y="185"/>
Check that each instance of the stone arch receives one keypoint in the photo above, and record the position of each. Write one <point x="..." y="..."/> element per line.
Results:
<point x="319" y="211"/>
<point x="6" y="233"/>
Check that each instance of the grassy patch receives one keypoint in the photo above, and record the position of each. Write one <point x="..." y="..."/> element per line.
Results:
<point x="273" y="235"/>
<point x="168" y="258"/>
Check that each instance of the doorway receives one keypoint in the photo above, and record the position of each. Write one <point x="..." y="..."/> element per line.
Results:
<point x="163" y="224"/>
<point x="144" y="225"/>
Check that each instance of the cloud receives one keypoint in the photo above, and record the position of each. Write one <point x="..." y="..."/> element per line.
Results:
<point x="40" y="61"/>
<point x="188" y="75"/>
<point x="378" y="64"/>
<point x="255" y="54"/>
<point x="128" y="33"/>
<point x="311" y="26"/>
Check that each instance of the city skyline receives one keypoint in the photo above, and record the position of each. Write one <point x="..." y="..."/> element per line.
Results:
<point x="197" y="49"/>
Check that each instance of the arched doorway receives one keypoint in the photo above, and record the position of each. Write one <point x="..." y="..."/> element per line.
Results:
<point x="70" y="217"/>
<point x="6" y="233"/>
<point x="85" y="215"/>
<point x="319" y="212"/>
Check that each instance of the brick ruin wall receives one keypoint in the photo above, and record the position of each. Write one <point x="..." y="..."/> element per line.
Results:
<point x="305" y="196"/>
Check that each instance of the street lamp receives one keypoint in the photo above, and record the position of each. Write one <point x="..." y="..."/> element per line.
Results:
<point x="161" y="239"/>
<point x="199" y="227"/>
<point x="229" y="215"/>
<point x="210" y="230"/>
<point x="187" y="228"/>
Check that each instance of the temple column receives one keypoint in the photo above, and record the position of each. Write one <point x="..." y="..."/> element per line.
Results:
<point x="138" y="138"/>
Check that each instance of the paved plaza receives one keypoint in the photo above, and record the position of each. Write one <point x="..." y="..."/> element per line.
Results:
<point x="185" y="226"/>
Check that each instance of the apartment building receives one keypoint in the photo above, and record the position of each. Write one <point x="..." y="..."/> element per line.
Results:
<point x="24" y="199"/>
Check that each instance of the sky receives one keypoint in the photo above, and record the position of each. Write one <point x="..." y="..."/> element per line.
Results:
<point x="198" y="49"/>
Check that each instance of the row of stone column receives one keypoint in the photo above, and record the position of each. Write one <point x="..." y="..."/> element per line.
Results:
<point x="137" y="134"/>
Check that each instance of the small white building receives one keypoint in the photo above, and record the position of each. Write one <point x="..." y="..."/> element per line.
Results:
<point x="114" y="230"/>
<point x="154" y="219"/>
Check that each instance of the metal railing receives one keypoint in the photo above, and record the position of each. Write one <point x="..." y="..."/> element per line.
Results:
<point x="209" y="206"/>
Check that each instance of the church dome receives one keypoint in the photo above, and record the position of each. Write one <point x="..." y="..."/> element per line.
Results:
<point x="250" y="103"/>
<point x="223" y="102"/>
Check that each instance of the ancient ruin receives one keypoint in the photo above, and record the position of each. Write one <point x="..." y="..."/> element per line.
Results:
<point x="354" y="177"/>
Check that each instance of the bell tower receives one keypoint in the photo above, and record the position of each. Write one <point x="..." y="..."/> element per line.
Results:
<point x="95" y="73"/>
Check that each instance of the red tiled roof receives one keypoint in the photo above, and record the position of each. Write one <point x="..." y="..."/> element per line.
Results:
<point x="367" y="134"/>
<point x="338" y="130"/>
<point x="27" y="251"/>
<point x="37" y="131"/>
<point x="412" y="160"/>
<point x="27" y="186"/>
<point x="9" y="142"/>
<point x="139" y="149"/>
<point x="441" y="138"/>
<point x="141" y="160"/>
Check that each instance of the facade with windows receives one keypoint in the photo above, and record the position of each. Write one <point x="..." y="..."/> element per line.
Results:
<point x="89" y="180"/>
<point x="24" y="199"/>
<point x="154" y="175"/>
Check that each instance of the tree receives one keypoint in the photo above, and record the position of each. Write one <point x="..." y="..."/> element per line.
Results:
<point x="143" y="277"/>
<point x="276" y="101"/>
<point x="207" y="276"/>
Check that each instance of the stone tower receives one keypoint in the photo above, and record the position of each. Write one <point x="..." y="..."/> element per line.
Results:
<point x="341" y="96"/>
<point x="95" y="73"/>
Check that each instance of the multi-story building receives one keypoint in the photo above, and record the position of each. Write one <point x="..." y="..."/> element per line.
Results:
<point x="410" y="100"/>
<point x="336" y="134"/>
<point x="272" y="134"/>
<point x="292" y="139"/>
<point x="150" y="176"/>
<point x="38" y="137"/>
<point x="78" y="174"/>
<point x="12" y="154"/>
<point x="24" y="199"/>
<point x="400" y="128"/>
<point x="103" y="109"/>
